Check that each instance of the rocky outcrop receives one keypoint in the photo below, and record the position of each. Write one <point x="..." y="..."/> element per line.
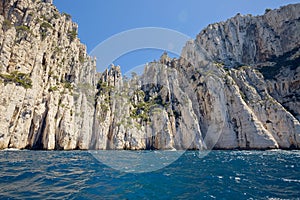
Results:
<point x="236" y="86"/>
<point x="44" y="69"/>
<point x="258" y="60"/>
<point x="248" y="40"/>
<point x="148" y="112"/>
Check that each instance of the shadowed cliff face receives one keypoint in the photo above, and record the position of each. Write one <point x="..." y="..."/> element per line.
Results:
<point x="236" y="86"/>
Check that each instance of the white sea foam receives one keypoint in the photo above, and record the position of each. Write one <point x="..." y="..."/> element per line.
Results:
<point x="291" y="180"/>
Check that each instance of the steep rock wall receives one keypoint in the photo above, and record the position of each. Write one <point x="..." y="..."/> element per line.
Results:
<point x="236" y="86"/>
<point x="43" y="67"/>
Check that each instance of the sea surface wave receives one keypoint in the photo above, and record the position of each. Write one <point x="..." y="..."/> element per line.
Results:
<point x="219" y="175"/>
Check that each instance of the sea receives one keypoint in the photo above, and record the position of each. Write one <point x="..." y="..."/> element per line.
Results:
<point x="192" y="175"/>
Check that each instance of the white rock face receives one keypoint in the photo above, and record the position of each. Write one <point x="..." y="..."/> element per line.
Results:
<point x="52" y="98"/>
<point x="36" y="40"/>
<point x="261" y="111"/>
<point x="148" y="112"/>
<point x="248" y="40"/>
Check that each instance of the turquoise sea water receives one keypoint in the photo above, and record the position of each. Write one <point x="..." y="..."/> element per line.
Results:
<point x="219" y="175"/>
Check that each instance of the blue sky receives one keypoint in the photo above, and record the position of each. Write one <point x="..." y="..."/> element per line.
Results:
<point x="100" y="19"/>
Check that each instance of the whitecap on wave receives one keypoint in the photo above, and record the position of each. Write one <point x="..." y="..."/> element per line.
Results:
<point x="11" y="149"/>
<point x="291" y="180"/>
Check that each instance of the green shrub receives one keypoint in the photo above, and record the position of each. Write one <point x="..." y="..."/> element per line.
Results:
<point x="104" y="107"/>
<point x="72" y="35"/>
<point x="142" y="110"/>
<point x="20" y="79"/>
<point x="23" y="29"/>
<point x="103" y="87"/>
<point x="6" y="25"/>
<point x="57" y="50"/>
<point x="68" y="85"/>
<point x="68" y="16"/>
<point x="45" y="26"/>
<point x="268" y="10"/>
<point x="22" y="33"/>
<point x="55" y="77"/>
<point x="52" y="89"/>
<point x="81" y="59"/>
<point x="56" y="15"/>
<point x="45" y="18"/>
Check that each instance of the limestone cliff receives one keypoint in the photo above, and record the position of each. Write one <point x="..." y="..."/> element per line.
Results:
<point x="235" y="86"/>
<point x="258" y="60"/>
<point x="43" y="69"/>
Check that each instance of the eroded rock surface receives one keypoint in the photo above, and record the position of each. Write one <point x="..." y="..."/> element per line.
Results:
<point x="235" y="86"/>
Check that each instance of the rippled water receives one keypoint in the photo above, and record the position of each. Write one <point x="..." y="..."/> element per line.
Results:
<point x="219" y="175"/>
